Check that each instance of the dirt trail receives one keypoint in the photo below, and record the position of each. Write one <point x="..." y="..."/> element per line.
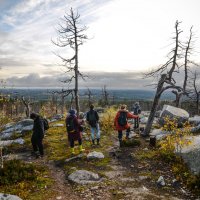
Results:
<point x="62" y="188"/>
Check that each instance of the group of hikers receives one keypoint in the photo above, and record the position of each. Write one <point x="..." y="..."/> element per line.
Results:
<point x="74" y="127"/>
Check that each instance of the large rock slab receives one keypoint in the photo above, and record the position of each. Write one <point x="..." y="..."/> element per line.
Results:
<point x="20" y="127"/>
<point x="84" y="177"/>
<point x="191" y="154"/>
<point x="173" y="113"/>
<point x="9" y="197"/>
<point x="4" y="143"/>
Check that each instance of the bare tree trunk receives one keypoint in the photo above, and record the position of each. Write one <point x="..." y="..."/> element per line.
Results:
<point x="155" y="105"/>
<point x="178" y="98"/>
<point x="62" y="103"/>
<point x="27" y="106"/>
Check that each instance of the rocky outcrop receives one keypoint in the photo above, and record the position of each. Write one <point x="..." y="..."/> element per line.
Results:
<point x="20" y="127"/>
<point x="84" y="177"/>
<point x="9" y="142"/>
<point x="9" y="197"/>
<point x="173" y="113"/>
<point x="159" y="134"/>
<point x="191" y="154"/>
<point x="95" y="155"/>
<point x="195" y="120"/>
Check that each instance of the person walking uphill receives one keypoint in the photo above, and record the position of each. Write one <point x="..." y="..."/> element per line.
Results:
<point x="121" y="122"/>
<point x="92" y="118"/>
<point x="74" y="131"/>
<point x="38" y="135"/>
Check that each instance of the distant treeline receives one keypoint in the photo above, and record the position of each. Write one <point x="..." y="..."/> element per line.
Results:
<point x="115" y="95"/>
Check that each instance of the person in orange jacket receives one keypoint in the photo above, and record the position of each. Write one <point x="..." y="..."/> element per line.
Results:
<point x="121" y="122"/>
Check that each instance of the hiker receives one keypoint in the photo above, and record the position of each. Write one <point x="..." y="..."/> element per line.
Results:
<point x="92" y="118"/>
<point x="74" y="131"/>
<point x="38" y="135"/>
<point x="136" y="111"/>
<point x="121" y="122"/>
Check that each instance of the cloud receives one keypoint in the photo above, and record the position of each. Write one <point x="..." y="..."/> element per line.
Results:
<point x="27" y="44"/>
<point x="113" y="80"/>
<point x="95" y="80"/>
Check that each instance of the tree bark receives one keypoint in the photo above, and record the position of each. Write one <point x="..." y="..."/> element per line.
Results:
<point x="155" y="105"/>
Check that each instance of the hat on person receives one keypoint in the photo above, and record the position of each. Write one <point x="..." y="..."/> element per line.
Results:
<point x="123" y="107"/>
<point x="33" y="115"/>
<point x="72" y="112"/>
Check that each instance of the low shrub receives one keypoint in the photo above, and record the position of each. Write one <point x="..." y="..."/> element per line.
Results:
<point x="15" y="171"/>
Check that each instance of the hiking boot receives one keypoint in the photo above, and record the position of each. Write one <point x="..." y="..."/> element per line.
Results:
<point x="81" y="149"/>
<point x="36" y="154"/>
<point x="120" y="143"/>
<point x="98" y="141"/>
<point x="72" y="151"/>
<point x="93" y="143"/>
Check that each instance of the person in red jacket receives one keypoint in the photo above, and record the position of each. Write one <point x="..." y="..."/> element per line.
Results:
<point x="74" y="130"/>
<point x="121" y="122"/>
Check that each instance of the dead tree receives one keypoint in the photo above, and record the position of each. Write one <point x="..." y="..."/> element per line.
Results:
<point x="166" y="80"/>
<point x="27" y="104"/>
<point x="71" y="35"/>
<point x="64" y="94"/>
<point x="105" y="95"/>
<point x="89" y="94"/>
<point x="188" y="51"/>
<point x="195" y="90"/>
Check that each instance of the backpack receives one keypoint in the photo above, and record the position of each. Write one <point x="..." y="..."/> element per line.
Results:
<point x="122" y="119"/>
<point x="92" y="118"/>
<point x="70" y="125"/>
<point x="46" y="124"/>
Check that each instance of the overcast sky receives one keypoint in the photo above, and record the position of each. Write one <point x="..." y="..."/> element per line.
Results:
<point x="127" y="37"/>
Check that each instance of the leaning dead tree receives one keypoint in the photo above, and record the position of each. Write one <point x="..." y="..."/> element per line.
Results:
<point x="71" y="35"/>
<point x="165" y="72"/>
<point x="188" y="51"/>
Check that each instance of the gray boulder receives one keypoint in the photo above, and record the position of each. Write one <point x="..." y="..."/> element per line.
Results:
<point x="191" y="154"/>
<point x="195" y="120"/>
<point x="9" y="197"/>
<point x="195" y="129"/>
<point x="84" y="177"/>
<point x="159" y="134"/>
<point x="95" y="155"/>
<point x="173" y="113"/>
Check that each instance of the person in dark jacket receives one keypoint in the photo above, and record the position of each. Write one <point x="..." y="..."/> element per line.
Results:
<point x="74" y="131"/>
<point x="38" y="135"/>
<point x="136" y="111"/>
<point x="92" y="118"/>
